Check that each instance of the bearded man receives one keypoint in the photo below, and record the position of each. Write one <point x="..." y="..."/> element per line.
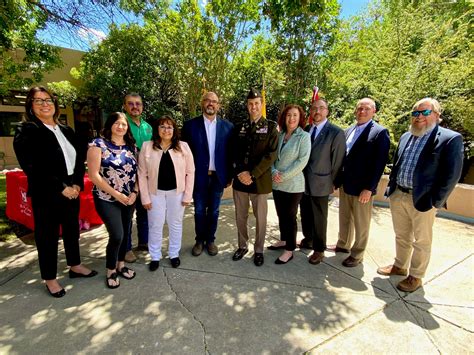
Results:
<point x="427" y="166"/>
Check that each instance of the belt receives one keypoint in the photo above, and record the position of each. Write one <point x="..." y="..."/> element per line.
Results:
<point x="211" y="172"/>
<point x="404" y="189"/>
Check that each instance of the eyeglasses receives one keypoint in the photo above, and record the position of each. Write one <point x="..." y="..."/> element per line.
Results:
<point x="132" y="104"/>
<point x="166" y="128"/>
<point x="424" y="113"/>
<point x="40" y="102"/>
<point x="211" y="101"/>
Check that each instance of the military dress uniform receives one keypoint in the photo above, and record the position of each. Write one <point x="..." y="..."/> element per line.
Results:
<point x="255" y="151"/>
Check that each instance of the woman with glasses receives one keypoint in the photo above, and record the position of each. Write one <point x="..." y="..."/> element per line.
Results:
<point x="166" y="176"/>
<point x="112" y="163"/>
<point x="48" y="154"/>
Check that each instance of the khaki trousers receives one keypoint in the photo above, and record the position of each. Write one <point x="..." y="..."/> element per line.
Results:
<point x="354" y="215"/>
<point x="260" y="208"/>
<point x="413" y="233"/>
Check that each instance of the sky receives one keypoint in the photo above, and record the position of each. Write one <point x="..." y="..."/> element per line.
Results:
<point x="352" y="7"/>
<point x="348" y="8"/>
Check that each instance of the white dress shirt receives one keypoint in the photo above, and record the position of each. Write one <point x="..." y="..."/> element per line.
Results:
<point x="211" y="128"/>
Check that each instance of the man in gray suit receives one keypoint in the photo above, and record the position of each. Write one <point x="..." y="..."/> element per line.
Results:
<point x="328" y="147"/>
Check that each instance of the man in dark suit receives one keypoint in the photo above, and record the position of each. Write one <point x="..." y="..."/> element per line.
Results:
<point x="256" y="141"/>
<point x="209" y="138"/>
<point x="367" y="146"/>
<point x="328" y="147"/>
<point x="427" y="166"/>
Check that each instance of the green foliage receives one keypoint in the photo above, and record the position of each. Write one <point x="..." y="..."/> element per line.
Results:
<point x="23" y="58"/>
<point x="398" y="53"/>
<point x="66" y="92"/>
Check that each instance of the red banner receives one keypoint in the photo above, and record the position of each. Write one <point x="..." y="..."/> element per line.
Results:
<point x="19" y="205"/>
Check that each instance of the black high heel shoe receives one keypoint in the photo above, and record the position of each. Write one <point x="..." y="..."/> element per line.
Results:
<point x="59" y="294"/>
<point x="281" y="262"/>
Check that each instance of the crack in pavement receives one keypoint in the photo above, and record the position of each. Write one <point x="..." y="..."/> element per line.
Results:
<point x="206" y="348"/>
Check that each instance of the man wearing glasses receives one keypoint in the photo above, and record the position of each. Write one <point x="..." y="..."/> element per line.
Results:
<point x="209" y="138"/>
<point x="367" y="145"/>
<point x="427" y="166"/>
<point x="142" y="132"/>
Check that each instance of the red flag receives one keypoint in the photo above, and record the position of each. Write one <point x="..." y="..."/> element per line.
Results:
<point x="314" y="98"/>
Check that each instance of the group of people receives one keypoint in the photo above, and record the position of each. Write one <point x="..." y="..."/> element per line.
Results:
<point x="155" y="171"/>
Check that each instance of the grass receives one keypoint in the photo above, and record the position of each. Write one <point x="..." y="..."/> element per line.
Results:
<point x="9" y="230"/>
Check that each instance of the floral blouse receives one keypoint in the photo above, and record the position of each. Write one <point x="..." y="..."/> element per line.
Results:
<point x="118" y="167"/>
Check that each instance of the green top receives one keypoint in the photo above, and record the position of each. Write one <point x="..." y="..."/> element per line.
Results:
<point x="141" y="133"/>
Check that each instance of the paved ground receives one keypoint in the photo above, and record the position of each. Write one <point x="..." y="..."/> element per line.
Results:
<point x="218" y="306"/>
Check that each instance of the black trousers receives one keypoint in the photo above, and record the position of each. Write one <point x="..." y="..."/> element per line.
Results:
<point x="50" y="212"/>
<point x="286" y="205"/>
<point x="314" y="220"/>
<point x="117" y="219"/>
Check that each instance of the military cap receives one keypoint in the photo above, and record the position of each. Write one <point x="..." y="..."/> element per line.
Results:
<point x="253" y="94"/>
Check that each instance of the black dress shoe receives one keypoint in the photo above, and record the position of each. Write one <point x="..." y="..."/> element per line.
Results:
<point x="154" y="265"/>
<point x="281" y="262"/>
<point x="175" y="262"/>
<point x="258" y="259"/>
<point x="59" y="294"/>
<point x="239" y="254"/>
<point x="305" y="244"/>
<point x="74" y="275"/>
<point x="273" y="247"/>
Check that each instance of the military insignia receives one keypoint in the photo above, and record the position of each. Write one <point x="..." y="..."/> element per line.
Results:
<point x="262" y="130"/>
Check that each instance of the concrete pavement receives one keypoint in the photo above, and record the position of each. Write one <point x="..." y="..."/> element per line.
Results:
<point x="218" y="306"/>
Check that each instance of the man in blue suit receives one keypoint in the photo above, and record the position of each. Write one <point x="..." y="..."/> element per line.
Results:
<point x="209" y="138"/>
<point x="427" y="166"/>
<point x="367" y="146"/>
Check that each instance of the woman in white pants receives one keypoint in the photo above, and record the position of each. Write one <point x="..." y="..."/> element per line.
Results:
<point x="166" y="177"/>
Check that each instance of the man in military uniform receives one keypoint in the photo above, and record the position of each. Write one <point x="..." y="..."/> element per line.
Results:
<point x="255" y="151"/>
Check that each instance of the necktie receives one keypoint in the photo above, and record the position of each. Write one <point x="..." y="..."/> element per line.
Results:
<point x="313" y="134"/>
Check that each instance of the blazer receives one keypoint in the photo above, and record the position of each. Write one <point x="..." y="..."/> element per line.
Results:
<point x="364" y="165"/>
<point x="194" y="133"/>
<point x="325" y="161"/>
<point x="149" y="166"/>
<point x="291" y="160"/>
<point x="255" y="150"/>
<point x="41" y="158"/>
<point x="437" y="170"/>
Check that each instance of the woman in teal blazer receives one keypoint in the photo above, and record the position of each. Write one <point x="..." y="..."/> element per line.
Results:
<point x="294" y="146"/>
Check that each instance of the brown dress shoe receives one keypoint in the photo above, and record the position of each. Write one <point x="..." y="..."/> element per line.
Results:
<point x="212" y="249"/>
<point x="316" y="258"/>
<point x="337" y="249"/>
<point x="130" y="257"/>
<point x="351" y="262"/>
<point x="197" y="249"/>
<point x="392" y="270"/>
<point x="410" y="284"/>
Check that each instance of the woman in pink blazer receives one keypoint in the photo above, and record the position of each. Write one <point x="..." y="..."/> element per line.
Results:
<point x="166" y="179"/>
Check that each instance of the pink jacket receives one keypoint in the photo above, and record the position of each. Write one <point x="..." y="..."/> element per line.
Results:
<point x="149" y="165"/>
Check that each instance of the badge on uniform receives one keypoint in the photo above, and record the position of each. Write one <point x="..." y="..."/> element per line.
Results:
<point x="262" y="130"/>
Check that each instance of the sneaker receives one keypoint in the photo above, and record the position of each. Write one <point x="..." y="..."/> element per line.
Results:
<point x="410" y="284"/>
<point x="130" y="257"/>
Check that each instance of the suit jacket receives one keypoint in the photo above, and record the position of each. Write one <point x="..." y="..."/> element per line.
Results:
<point x="149" y="167"/>
<point x="325" y="162"/>
<point x="291" y="160"/>
<point x="255" y="150"/>
<point x="194" y="133"/>
<point x="437" y="170"/>
<point x="42" y="159"/>
<point x="364" y="165"/>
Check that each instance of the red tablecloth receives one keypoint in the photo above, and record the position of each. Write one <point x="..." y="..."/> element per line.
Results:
<point x="19" y="205"/>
